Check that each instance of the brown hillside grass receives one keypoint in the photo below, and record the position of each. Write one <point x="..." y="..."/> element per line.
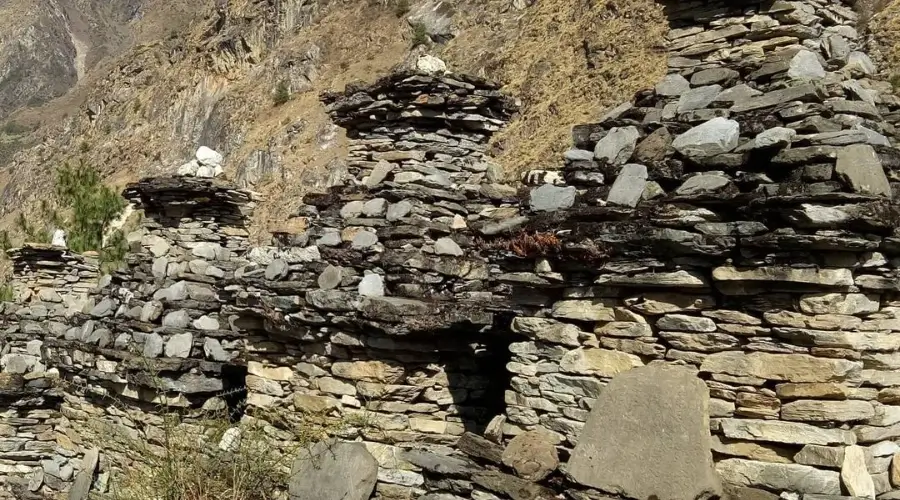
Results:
<point x="568" y="61"/>
<point x="884" y="25"/>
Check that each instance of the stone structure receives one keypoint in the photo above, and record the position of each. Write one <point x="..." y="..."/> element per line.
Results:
<point x="53" y="274"/>
<point x="738" y="220"/>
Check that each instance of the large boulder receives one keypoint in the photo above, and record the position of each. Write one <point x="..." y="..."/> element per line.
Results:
<point x="648" y="437"/>
<point x="333" y="470"/>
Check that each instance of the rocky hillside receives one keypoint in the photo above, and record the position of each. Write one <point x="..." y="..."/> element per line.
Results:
<point x="214" y="73"/>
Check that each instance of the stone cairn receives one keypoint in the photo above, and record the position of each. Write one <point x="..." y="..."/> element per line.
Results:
<point x="49" y="273"/>
<point x="148" y="339"/>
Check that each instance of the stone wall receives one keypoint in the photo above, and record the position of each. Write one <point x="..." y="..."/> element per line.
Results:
<point x="53" y="274"/>
<point x="737" y="221"/>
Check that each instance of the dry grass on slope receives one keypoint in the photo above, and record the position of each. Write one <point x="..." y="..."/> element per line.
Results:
<point x="568" y="61"/>
<point x="885" y="28"/>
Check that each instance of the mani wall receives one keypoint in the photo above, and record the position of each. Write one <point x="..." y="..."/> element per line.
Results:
<point x="701" y="303"/>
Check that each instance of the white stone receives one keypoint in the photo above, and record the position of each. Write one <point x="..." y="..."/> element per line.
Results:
<point x="431" y="65"/>
<point x="372" y="285"/>
<point x="208" y="157"/>
<point x="59" y="239"/>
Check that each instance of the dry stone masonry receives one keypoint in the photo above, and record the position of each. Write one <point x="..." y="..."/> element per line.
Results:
<point x="702" y="303"/>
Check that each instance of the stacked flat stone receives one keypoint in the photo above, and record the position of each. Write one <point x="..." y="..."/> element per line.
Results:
<point x="374" y="305"/>
<point x="29" y="444"/>
<point x="740" y="218"/>
<point x="151" y="334"/>
<point x="55" y="272"/>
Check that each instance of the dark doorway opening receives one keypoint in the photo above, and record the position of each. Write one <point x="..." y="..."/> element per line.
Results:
<point x="234" y="391"/>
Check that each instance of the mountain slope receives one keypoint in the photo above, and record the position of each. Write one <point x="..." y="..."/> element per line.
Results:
<point x="211" y="81"/>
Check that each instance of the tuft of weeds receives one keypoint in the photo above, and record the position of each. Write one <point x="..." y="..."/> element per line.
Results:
<point x="419" y="35"/>
<point x="197" y="454"/>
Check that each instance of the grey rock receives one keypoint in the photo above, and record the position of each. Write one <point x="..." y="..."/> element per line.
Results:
<point x="702" y="184"/>
<point x="276" y="270"/>
<point x="213" y="350"/>
<point x="330" y="239"/>
<point x="873" y="137"/>
<point x="105" y="308"/>
<point x="860" y="62"/>
<point x="332" y="470"/>
<point x="446" y="246"/>
<point x="179" y="346"/>
<point x="353" y="209"/>
<point x="838" y="48"/>
<point x="438" y="464"/>
<point x="632" y="447"/>
<point x="742" y="92"/>
<point x="717" y="136"/>
<point x="177" y="319"/>
<point x="776" y="137"/>
<point x="375" y="207"/>
<point x="363" y="240"/>
<point x="629" y="186"/>
<point x="436" y="17"/>
<point x="804" y="92"/>
<point x="713" y="75"/>
<point x="82" y="486"/>
<point x="673" y="85"/>
<point x="791" y="477"/>
<point x="207" y="251"/>
<point x="578" y="155"/>
<point x="331" y="278"/>
<point x="860" y="168"/>
<point x="379" y="173"/>
<point x="550" y="198"/>
<point x="805" y="65"/>
<point x="698" y="98"/>
<point x="398" y="210"/>
<point x="151" y="311"/>
<point x="618" y="145"/>
<point x="372" y="285"/>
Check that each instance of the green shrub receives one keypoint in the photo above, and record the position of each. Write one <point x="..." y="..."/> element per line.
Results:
<point x="90" y="206"/>
<point x="14" y="128"/>
<point x="282" y="93"/>
<point x="112" y="255"/>
<point x="420" y="35"/>
<point x="34" y="233"/>
<point x="7" y="293"/>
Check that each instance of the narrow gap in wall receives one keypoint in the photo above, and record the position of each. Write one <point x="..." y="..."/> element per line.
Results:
<point x="234" y="392"/>
<point x="486" y="395"/>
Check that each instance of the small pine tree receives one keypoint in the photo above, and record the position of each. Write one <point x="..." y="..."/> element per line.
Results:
<point x="282" y="93"/>
<point x="420" y="35"/>
<point x="93" y="206"/>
